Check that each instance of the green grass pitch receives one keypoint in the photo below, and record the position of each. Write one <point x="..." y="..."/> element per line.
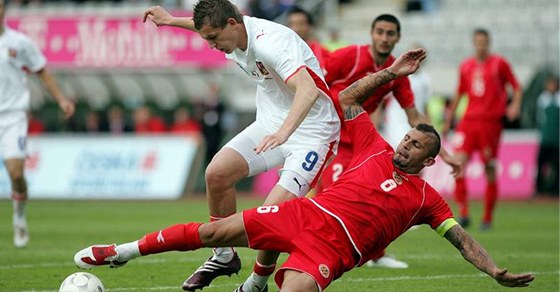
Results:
<point x="525" y="238"/>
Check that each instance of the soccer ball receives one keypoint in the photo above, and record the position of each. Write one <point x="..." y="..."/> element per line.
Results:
<point x="82" y="282"/>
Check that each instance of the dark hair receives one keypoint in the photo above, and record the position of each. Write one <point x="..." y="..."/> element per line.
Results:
<point x="215" y="13"/>
<point x="388" y="18"/>
<point x="482" y="31"/>
<point x="435" y="147"/>
<point x="296" y="9"/>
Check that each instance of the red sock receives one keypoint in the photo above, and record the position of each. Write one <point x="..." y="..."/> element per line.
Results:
<point x="461" y="197"/>
<point x="490" y="198"/>
<point x="263" y="270"/>
<point x="181" y="237"/>
<point x="378" y="255"/>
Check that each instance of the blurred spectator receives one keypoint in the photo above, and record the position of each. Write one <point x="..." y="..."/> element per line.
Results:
<point x="548" y="108"/>
<point x="36" y="125"/>
<point x="427" y="6"/>
<point x="183" y="122"/>
<point x="334" y="42"/>
<point x="116" y="121"/>
<point x="93" y="123"/>
<point x="145" y="122"/>
<point x="210" y="113"/>
<point x="484" y="78"/>
<point x="303" y="24"/>
<point x="269" y="9"/>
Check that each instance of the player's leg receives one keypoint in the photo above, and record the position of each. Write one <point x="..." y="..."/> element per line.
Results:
<point x="179" y="237"/>
<point x="489" y="152"/>
<point x="236" y="160"/>
<point x="301" y="171"/>
<point x="463" y="143"/>
<point x="295" y="281"/>
<point x="13" y="143"/>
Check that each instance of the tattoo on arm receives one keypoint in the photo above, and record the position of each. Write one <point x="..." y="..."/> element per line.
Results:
<point x="471" y="250"/>
<point x="353" y="111"/>
<point x="364" y="88"/>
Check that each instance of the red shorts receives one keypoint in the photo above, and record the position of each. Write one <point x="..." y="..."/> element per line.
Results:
<point x="316" y="242"/>
<point x="336" y="167"/>
<point x="482" y="136"/>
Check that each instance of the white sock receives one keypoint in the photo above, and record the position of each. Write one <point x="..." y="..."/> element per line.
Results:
<point x="223" y="254"/>
<point x="255" y="281"/>
<point x="128" y="251"/>
<point x="19" y="209"/>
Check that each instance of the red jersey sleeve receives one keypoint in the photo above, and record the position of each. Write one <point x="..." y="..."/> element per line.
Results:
<point x="403" y="92"/>
<point x="463" y="82"/>
<point x="362" y="132"/>
<point x="339" y="64"/>
<point x="507" y="73"/>
<point x="437" y="209"/>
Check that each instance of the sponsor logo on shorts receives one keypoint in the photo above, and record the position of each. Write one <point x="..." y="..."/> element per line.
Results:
<point x="21" y="143"/>
<point x="324" y="270"/>
<point x="299" y="184"/>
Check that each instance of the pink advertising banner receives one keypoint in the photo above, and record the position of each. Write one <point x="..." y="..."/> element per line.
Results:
<point x="114" y="41"/>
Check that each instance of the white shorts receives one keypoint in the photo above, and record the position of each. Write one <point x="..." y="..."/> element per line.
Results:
<point x="302" y="163"/>
<point x="13" y="136"/>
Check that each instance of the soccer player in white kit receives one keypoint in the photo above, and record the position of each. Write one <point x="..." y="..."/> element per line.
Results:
<point x="296" y="122"/>
<point x="19" y="55"/>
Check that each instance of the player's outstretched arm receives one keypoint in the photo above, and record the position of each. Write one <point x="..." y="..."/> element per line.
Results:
<point x="474" y="253"/>
<point x="355" y="94"/>
<point x="160" y="17"/>
<point x="48" y="80"/>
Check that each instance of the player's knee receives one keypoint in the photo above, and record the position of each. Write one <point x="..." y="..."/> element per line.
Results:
<point x="217" y="176"/>
<point x="213" y="233"/>
<point x="295" y="281"/>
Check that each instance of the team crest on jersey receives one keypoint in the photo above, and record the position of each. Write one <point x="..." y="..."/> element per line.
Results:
<point x="397" y="178"/>
<point x="324" y="270"/>
<point x="261" y="68"/>
<point x="12" y="53"/>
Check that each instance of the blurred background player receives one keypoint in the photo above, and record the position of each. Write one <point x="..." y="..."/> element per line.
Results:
<point x="483" y="78"/>
<point x="19" y="56"/>
<point x="349" y="64"/>
<point x="296" y="123"/>
<point x="303" y="23"/>
<point x="548" y="121"/>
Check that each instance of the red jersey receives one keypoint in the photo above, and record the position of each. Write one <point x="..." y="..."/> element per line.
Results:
<point x="373" y="200"/>
<point x="320" y="53"/>
<point x="485" y="83"/>
<point x="347" y="65"/>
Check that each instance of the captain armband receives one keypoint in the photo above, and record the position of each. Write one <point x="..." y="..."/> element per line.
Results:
<point x="445" y="226"/>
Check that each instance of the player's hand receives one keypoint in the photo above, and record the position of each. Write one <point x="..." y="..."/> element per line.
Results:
<point x="408" y="62"/>
<point x="512" y="112"/>
<point x="270" y="142"/>
<point x="513" y="280"/>
<point x="67" y="107"/>
<point x="157" y="15"/>
<point x="456" y="164"/>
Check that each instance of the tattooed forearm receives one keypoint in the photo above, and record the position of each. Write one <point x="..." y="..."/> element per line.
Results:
<point x="352" y="111"/>
<point x="471" y="250"/>
<point x="364" y="88"/>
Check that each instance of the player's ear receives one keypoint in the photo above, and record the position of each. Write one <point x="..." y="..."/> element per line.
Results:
<point x="429" y="161"/>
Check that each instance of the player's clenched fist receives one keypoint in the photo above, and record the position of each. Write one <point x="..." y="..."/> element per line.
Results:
<point x="157" y="15"/>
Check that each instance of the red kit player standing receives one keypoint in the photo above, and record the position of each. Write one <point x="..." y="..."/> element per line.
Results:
<point x="483" y="78"/>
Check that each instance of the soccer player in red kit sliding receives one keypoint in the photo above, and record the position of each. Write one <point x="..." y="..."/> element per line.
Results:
<point x="343" y="67"/>
<point x="483" y="78"/>
<point x="376" y="200"/>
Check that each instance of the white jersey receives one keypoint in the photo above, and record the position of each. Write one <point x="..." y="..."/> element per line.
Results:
<point x="396" y="121"/>
<point x="274" y="53"/>
<point x="18" y="54"/>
